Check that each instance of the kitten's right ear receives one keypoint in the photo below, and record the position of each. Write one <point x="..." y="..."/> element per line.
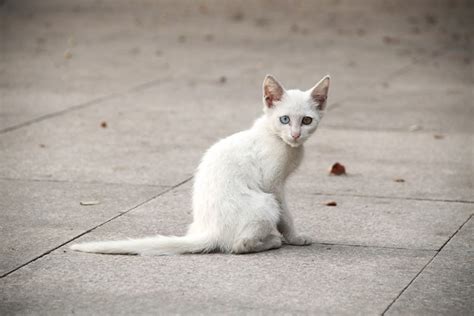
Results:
<point x="319" y="93"/>
<point x="272" y="91"/>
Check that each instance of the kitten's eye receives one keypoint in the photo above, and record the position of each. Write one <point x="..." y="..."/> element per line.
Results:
<point x="285" y="119"/>
<point x="307" y="120"/>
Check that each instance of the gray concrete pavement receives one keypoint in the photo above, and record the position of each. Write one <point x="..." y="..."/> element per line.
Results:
<point x="170" y="78"/>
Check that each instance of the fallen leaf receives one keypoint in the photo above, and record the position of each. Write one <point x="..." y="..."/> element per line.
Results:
<point x="431" y="19"/>
<point x="351" y="63"/>
<point x="103" y="124"/>
<point x="337" y="169"/>
<point x="134" y="51"/>
<point x="294" y="28"/>
<point x="88" y="203"/>
<point x="223" y="79"/>
<point x="203" y="9"/>
<point x="361" y="32"/>
<point x="415" y="30"/>
<point x="438" y="136"/>
<point x="399" y="180"/>
<point x="391" y="40"/>
<point x="209" y="37"/>
<point x="42" y="145"/>
<point x="330" y="203"/>
<point x="237" y="16"/>
<point x="261" y="22"/>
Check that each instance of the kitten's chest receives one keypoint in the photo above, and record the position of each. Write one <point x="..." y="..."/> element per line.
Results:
<point x="277" y="163"/>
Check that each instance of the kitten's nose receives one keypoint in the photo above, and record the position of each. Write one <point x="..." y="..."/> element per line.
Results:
<point x="295" y="135"/>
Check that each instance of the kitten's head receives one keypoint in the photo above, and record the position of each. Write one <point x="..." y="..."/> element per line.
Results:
<point x="294" y="115"/>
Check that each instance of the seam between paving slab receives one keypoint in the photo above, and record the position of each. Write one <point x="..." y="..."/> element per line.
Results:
<point x="395" y="197"/>
<point x="189" y="179"/>
<point x="371" y="246"/>
<point x="95" y="227"/>
<point x="111" y="96"/>
<point x="84" y="182"/>
<point x="425" y="266"/>
<point x="151" y="83"/>
<point x="385" y="197"/>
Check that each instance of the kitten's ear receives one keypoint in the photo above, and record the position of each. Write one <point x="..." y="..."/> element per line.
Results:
<point x="272" y="91"/>
<point x="319" y="93"/>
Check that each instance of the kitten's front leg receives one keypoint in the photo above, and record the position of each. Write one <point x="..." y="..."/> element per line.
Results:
<point x="287" y="228"/>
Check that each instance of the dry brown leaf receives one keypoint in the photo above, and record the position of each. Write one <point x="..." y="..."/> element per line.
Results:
<point x="103" y="124"/>
<point x="438" y="136"/>
<point x="223" y="79"/>
<point x="330" y="203"/>
<point x="337" y="169"/>
<point x="391" y="40"/>
<point x="237" y="16"/>
<point x="399" y="180"/>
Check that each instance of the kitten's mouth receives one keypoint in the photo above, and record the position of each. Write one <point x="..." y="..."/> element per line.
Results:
<point x="293" y="143"/>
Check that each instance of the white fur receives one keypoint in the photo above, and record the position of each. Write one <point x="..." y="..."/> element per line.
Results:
<point x="238" y="198"/>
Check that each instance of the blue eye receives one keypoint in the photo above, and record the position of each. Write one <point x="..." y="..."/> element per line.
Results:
<point x="285" y="119"/>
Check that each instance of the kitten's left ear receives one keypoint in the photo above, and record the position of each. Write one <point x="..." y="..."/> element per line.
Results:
<point x="319" y="93"/>
<point x="272" y="91"/>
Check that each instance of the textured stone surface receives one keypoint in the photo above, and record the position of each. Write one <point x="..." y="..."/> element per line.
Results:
<point x="308" y="280"/>
<point x="38" y="216"/>
<point x="144" y="144"/>
<point x="464" y="239"/>
<point x="368" y="222"/>
<point x="431" y="168"/>
<point x="169" y="78"/>
<point x="445" y="287"/>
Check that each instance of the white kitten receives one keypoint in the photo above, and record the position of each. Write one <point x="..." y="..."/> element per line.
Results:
<point x="238" y="199"/>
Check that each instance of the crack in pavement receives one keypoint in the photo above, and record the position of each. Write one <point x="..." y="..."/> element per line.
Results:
<point x="111" y="96"/>
<point x="407" y="198"/>
<point x="148" y="84"/>
<point x="425" y="266"/>
<point x="84" y="182"/>
<point x="95" y="227"/>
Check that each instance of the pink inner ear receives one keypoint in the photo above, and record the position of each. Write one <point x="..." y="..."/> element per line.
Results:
<point x="269" y="101"/>
<point x="271" y="96"/>
<point x="320" y="98"/>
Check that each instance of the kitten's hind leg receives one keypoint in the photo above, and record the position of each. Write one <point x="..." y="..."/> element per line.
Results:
<point x="256" y="237"/>
<point x="252" y="245"/>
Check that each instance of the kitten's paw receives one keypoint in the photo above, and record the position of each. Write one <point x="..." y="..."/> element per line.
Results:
<point x="300" y="240"/>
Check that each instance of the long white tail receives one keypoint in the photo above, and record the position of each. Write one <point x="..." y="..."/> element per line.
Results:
<point x="158" y="245"/>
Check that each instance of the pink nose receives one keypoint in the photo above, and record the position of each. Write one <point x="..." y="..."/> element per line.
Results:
<point x="295" y="135"/>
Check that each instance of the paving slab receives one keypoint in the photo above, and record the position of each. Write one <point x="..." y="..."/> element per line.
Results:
<point x="149" y="144"/>
<point x="39" y="216"/>
<point x="463" y="241"/>
<point x="50" y="62"/>
<point x="377" y="222"/>
<point x="445" y="287"/>
<point x="366" y="222"/>
<point x="431" y="168"/>
<point x="405" y="111"/>
<point x="174" y="89"/>
<point x="315" y="279"/>
<point x="141" y="144"/>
